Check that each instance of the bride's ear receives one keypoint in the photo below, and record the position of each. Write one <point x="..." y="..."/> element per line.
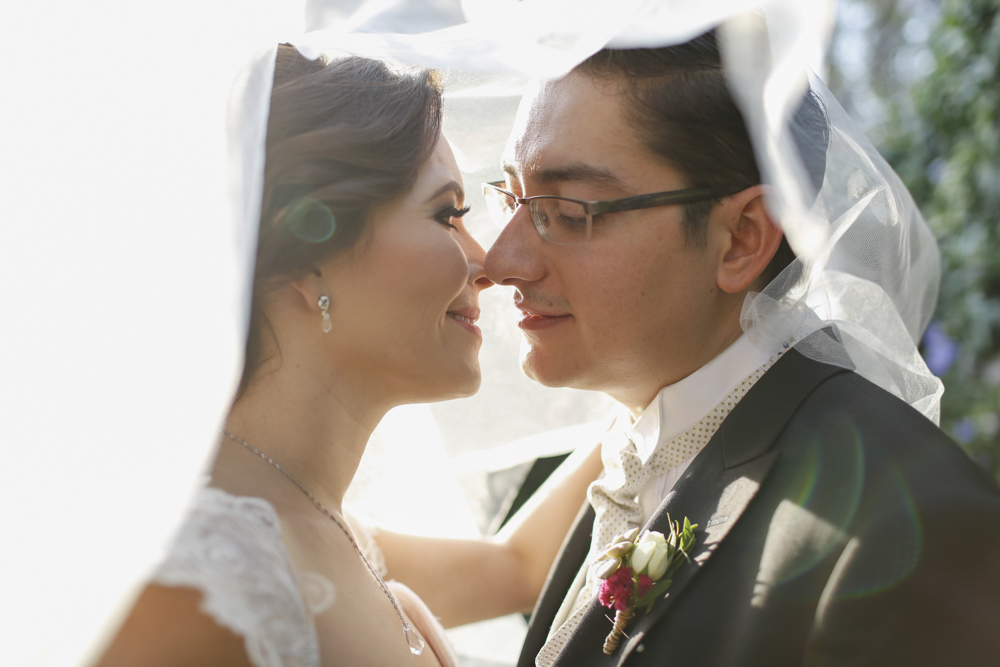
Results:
<point x="310" y="288"/>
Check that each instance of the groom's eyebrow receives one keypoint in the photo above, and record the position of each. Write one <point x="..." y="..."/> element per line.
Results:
<point x="578" y="172"/>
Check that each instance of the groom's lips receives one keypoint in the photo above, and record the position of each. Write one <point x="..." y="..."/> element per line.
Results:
<point x="535" y="320"/>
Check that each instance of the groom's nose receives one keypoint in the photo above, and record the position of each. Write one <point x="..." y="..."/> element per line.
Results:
<point x="518" y="254"/>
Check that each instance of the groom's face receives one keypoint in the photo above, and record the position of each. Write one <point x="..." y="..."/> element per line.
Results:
<point x="630" y="311"/>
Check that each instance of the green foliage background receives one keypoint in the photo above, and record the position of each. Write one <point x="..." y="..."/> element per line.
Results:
<point x="934" y="92"/>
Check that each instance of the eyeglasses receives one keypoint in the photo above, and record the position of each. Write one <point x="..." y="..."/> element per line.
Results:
<point x="566" y="221"/>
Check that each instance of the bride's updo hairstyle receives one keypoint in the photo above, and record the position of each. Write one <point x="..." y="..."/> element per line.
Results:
<point x="343" y="136"/>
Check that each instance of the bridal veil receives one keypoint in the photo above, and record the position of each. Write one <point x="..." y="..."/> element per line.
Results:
<point x="127" y="254"/>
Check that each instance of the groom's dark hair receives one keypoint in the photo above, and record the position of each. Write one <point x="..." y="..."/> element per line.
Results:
<point x="681" y="108"/>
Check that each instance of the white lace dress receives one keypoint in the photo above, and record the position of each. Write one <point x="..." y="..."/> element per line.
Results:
<point x="230" y="548"/>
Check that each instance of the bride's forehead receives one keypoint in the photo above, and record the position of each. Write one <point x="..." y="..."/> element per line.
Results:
<point x="440" y="168"/>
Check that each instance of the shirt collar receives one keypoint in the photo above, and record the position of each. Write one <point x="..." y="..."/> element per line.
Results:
<point x="679" y="406"/>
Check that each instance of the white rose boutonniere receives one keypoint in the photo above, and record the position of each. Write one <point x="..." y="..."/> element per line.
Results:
<point x="639" y="570"/>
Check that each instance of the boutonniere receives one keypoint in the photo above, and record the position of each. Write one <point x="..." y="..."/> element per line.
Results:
<point x="639" y="570"/>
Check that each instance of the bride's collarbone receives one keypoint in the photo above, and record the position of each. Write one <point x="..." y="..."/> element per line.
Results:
<point x="314" y="541"/>
<point x="361" y="627"/>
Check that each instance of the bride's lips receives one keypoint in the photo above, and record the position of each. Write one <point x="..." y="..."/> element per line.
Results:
<point x="466" y="317"/>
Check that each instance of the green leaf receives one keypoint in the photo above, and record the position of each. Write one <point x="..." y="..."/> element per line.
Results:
<point x="653" y="594"/>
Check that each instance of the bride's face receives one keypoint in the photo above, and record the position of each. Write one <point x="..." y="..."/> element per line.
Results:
<point x="404" y="304"/>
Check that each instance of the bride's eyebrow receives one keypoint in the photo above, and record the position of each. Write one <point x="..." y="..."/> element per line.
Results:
<point x="450" y="186"/>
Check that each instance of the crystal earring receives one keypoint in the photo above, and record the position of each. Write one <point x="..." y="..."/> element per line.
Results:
<point x="324" y="305"/>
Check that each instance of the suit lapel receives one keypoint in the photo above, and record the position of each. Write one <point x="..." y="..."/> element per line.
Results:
<point x="568" y="561"/>
<point x="714" y="498"/>
<point x="725" y="477"/>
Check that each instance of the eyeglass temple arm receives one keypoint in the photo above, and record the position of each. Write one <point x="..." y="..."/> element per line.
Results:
<point x="648" y="201"/>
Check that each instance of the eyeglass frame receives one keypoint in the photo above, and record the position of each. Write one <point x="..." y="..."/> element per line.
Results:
<point x="599" y="207"/>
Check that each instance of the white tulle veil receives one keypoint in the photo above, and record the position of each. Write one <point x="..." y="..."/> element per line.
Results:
<point x="127" y="257"/>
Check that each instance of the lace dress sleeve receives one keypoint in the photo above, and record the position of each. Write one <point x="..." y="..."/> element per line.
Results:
<point x="230" y="549"/>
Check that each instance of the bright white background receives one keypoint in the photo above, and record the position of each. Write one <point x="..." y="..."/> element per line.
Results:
<point x="122" y="286"/>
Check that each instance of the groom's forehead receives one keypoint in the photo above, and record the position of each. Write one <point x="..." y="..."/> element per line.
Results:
<point x="535" y="126"/>
<point x="566" y="122"/>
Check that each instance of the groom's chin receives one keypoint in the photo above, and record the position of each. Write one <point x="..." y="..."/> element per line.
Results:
<point x="547" y="370"/>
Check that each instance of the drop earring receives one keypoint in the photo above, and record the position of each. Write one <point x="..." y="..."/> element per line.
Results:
<point x="324" y="305"/>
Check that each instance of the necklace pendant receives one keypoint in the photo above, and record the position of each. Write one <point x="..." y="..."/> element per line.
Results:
<point x="413" y="638"/>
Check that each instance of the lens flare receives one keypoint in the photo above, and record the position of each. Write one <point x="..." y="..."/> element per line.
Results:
<point x="311" y="220"/>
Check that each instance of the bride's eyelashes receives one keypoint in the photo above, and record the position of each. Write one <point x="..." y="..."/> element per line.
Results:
<point x="446" y="216"/>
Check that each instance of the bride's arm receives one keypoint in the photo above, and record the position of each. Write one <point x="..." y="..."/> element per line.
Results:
<point x="470" y="580"/>
<point x="166" y="627"/>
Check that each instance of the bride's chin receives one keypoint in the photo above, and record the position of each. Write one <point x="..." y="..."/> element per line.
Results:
<point x="473" y="385"/>
<point x="441" y="387"/>
<point x="463" y="386"/>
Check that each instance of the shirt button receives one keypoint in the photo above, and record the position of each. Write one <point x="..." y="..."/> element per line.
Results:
<point x="640" y="648"/>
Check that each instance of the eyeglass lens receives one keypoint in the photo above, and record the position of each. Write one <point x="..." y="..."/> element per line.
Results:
<point x="560" y="220"/>
<point x="557" y="220"/>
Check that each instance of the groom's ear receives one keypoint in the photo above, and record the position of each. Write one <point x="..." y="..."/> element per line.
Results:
<point x="750" y="238"/>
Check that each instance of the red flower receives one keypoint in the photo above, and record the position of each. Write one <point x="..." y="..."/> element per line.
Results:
<point x="645" y="583"/>
<point x="604" y="595"/>
<point x="616" y="590"/>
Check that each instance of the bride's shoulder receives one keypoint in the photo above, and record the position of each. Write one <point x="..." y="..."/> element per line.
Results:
<point x="229" y="553"/>
<point x="234" y="548"/>
<point x="226" y="543"/>
<point x="222" y="530"/>
<point x="166" y="627"/>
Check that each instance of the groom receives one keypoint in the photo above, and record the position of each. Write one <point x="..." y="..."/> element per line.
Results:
<point x="836" y="525"/>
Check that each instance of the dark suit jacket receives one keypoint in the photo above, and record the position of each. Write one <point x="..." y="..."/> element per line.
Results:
<point x="838" y="526"/>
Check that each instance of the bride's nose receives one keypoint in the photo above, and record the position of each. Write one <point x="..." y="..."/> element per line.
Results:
<point x="476" y="256"/>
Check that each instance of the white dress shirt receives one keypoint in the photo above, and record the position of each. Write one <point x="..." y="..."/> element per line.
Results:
<point x="681" y="405"/>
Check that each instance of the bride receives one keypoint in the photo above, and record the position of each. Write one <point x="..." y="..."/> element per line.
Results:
<point x="365" y="297"/>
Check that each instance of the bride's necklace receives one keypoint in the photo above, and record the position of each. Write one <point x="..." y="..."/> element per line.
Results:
<point x="413" y="638"/>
